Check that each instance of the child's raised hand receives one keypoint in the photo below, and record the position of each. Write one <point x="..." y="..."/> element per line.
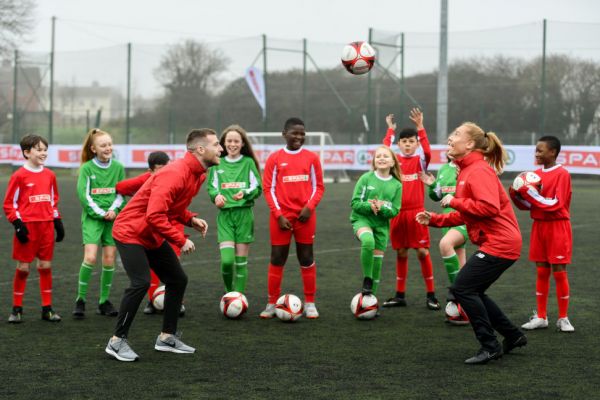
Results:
<point x="427" y="178"/>
<point x="389" y="119"/>
<point x="416" y="116"/>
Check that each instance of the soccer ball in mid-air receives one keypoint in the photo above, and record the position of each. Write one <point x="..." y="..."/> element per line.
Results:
<point x="358" y="57"/>
<point x="364" y="306"/>
<point x="158" y="298"/>
<point x="233" y="304"/>
<point x="455" y="314"/>
<point x="288" y="308"/>
<point x="527" y="178"/>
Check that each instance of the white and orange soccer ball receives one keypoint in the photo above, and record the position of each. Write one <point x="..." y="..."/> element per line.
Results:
<point x="527" y="178"/>
<point x="288" y="308"/>
<point x="233" y="305"/>
<point x="364" y="306"/>
<point x="158" y="298"/>
<point x="358" y="57"/>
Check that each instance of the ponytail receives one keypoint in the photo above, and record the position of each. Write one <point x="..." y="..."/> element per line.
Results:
<point x="86" y="152"/>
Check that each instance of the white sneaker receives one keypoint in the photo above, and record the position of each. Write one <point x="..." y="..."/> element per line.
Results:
<point x="269" y="312"/>
<point x="310" y="311"/>
<point x="535" y="323"/>
<point x="564" y="325"/>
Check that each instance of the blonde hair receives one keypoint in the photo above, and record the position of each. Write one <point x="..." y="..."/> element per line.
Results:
<point x="395" y="169"/>
<point x="246" y="149"/>
<point x="86" y="152"/>
<point x="489" y="144"/>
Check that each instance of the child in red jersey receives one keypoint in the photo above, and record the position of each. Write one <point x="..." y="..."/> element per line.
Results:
<point x="30" y="205"/>
<point x="128" y="187"/>
<point x="293" y="187"/>
<point x="551" y="242"/>
<point x="405" y="232"/>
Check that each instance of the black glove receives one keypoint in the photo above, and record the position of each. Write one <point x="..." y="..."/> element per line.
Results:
<point x="21" y="231"/>
<point x="60" y="229"/>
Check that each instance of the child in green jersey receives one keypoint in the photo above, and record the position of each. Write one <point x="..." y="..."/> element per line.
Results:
<point x="375" y="201"/>
<point x="233" y="185"/>
<point x="98" y="176"/>
<point x="454" y="239"/>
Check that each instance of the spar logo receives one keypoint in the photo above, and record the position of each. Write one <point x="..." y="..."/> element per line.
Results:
<point x="295" y="178"/>
<point x="233" y="185"/>
<point x="103" y="191"/>
<point x="410" y="178"/>
<point x="39" y="198"/>
<point x="585" y="159"/>
<point x="511" y="156"/>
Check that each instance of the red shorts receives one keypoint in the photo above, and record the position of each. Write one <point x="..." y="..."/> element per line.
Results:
<point x="407" y="233"/>
<point x="40" y="244"/>
<point x="551" y="242"/>
<point x="304" y="232"/>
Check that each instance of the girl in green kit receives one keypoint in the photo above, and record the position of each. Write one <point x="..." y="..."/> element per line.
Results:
<point x="233" y="185"/>
<point x="375" y="201"/>
<point x="98" y="176"/>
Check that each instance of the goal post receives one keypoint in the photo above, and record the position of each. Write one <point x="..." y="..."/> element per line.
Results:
<point x="266" y="142"/>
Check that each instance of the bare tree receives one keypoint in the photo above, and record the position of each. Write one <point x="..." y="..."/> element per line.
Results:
<point x="16" y="21"/>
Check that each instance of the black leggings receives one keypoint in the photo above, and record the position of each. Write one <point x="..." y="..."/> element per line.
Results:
<point x="137" y="262"/>
<point x="474" y="278"/>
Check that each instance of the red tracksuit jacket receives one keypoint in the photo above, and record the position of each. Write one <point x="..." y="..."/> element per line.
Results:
<point x="164" y="197"/>
<point x="482" y="204"/>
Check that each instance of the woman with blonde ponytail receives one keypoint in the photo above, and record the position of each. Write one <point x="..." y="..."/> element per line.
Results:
<point x="483" y="206"/>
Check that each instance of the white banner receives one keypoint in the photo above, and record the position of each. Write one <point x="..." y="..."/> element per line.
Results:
<point x="577" y="159"/>
<point x="256" y="83"/>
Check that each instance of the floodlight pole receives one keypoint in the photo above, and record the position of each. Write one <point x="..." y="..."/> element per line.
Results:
<point x="543" y="84"/>
<point x="128" y="105"/>
<point x="442" y="87"/>
<point x="265" y="76"/>
<point x="369" y="94"/>
<point x="15" y="118"/>
<point x="51" y="94"/>
<point x="304" y="51"/>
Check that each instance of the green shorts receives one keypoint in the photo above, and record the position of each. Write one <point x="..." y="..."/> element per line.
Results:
<point x="96" y="231"/>
<point x="235" y="225"/>
<point x="381" y="235"/>
<point x="463" y="231"/>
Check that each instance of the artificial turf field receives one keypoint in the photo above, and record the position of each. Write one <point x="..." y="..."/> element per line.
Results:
<point x="407" y="353"/>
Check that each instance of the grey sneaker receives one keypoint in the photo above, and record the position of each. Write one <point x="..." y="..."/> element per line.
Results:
<point x="16" y="315"/>
<point x="119" y="349"/>
<point x="268" y="312"/>
<point x="173" y="344"/>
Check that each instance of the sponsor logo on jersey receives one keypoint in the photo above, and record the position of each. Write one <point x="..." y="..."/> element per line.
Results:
<point x="103" y="191"/>
<point x="39" y="198"/>
<point x="448" y="189"/>
<point x="295" y="178"/>
<point x="233" y="185"/>
<point x="410" y="178"/>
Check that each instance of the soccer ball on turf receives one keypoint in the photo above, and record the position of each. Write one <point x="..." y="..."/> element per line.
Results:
<point x="527" y="179"/>
<point x="158" y="298"/>
<point x="233" y="305"/>
<point x="358" y="57"/>
<point x="455" y="314"/>
<point x="364" y="306"/>
<point x="288" y="308"/>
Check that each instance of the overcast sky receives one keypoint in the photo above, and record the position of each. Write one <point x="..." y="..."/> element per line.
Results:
<point x="86" y="23"/>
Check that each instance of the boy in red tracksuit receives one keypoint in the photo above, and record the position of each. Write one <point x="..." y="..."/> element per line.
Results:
<point x="551" y="242"/>
<point x="405" y="232"/>
<point x="143" y="231"/>
<point x="293" y="187"/>
<point x="128" y="187"/>
<point x="30" y="204"/>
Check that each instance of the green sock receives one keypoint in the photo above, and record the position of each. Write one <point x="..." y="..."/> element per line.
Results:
<point x="452" y="266"/>
<point x="227" y="260"/>
<point x="377" y="264"/>
<point x="367" y="245"/>
<point x="85" y="273"/>
<point x="241" y="273"/>
<point x="106" y="282"/>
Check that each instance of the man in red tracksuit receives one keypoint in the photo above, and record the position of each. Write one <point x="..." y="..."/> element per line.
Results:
<point x="143" y="231"/>
<point x="483" y="206"/>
